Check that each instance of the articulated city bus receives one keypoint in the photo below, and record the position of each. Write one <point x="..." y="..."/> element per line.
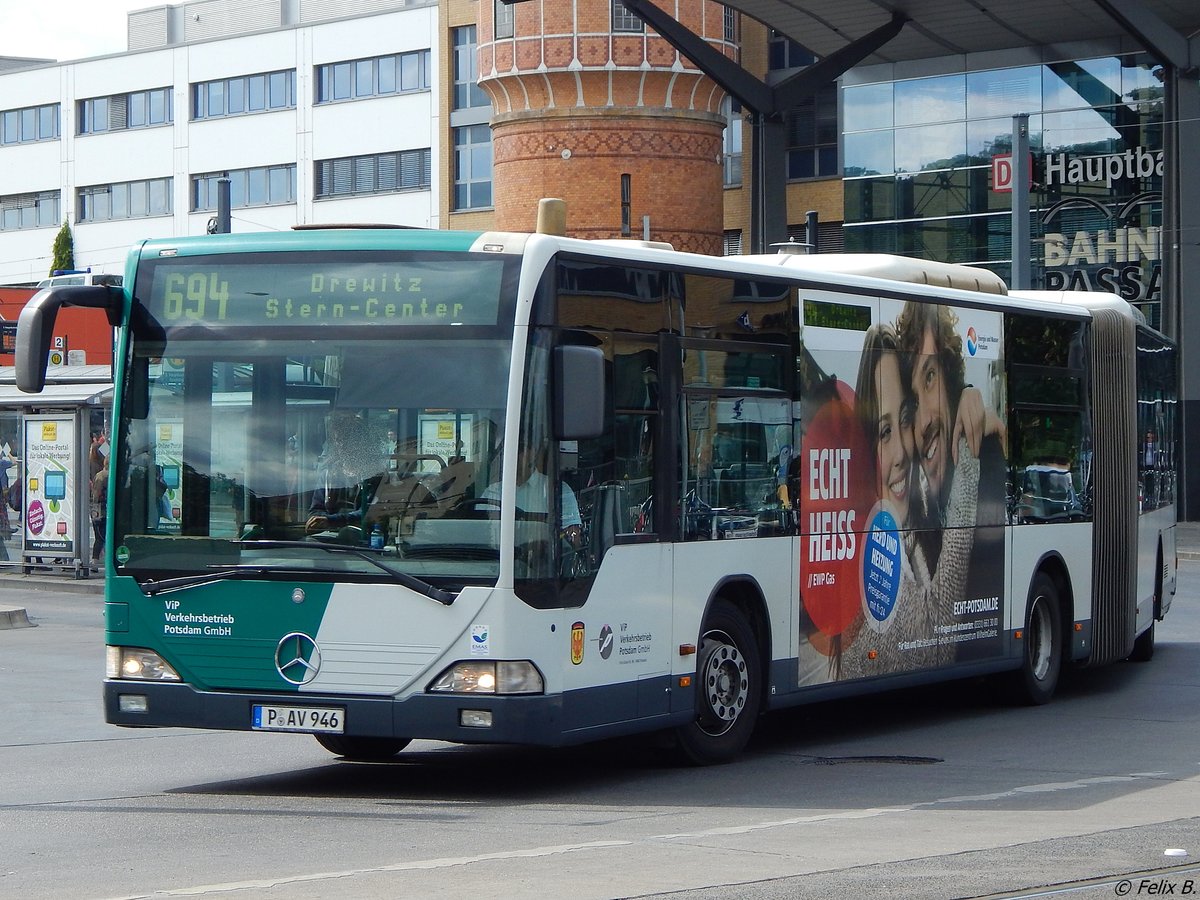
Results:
<point x="380" y="485"/>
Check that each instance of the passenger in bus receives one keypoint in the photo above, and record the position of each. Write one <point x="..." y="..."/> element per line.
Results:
<point x="884" y="406"/>
<point x="533" y="493"/>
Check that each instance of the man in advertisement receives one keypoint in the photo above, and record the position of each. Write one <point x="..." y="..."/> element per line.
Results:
<point x="951" y="418"/>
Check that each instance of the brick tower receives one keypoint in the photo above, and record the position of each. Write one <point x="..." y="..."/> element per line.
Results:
<point x="582" y="108"/>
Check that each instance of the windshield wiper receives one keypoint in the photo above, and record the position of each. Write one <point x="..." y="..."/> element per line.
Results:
<point x="150" y="588"/>
<point x="409" y="581"/>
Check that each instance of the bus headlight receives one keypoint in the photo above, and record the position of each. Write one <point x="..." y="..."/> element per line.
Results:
<point x="138" y="664"/>
<point x="502" y="676"/>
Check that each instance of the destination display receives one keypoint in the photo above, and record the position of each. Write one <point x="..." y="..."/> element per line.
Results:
<point x="195" y="291"/>
<point x="846" y="316"/>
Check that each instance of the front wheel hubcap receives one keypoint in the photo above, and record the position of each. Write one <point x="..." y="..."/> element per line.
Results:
<point x="726" y="681"/>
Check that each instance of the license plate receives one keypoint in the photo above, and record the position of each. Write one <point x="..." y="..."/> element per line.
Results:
<point x="298" y="718"/>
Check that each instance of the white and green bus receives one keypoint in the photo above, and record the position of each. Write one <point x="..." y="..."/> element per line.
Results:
<point x="384" y="484"/>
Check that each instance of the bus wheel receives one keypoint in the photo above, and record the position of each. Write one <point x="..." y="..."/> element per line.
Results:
<point x="728" y="689"/>
<point x="362" y="749"/>
<point x="1041" y="655"/>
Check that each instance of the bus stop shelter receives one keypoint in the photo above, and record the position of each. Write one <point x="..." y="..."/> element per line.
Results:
<point x="46" y="440"/>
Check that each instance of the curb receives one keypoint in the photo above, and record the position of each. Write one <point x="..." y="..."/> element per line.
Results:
<point x="15" y="581"/>
<point x="14" y="617"/>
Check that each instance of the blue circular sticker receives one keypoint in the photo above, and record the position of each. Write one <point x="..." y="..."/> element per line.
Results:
<point x="881" y="569"/>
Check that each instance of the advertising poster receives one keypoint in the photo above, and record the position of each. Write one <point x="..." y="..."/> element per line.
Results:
<point x="901" y="480"/>
<point x="51" y="515"/>
<point x="168" y="458"/>
<point x="446" y="437"/>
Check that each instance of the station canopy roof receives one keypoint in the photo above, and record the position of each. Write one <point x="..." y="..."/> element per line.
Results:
<point x="950" y="27"/>
<point x="65" y="386"/>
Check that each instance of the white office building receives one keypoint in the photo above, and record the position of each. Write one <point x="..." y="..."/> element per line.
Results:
<point x="319" y="111"/>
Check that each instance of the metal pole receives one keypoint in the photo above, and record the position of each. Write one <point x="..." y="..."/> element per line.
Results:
<point x="1021" y="254"/>
<point x="224" y="222"/>
<point x="811" y="232"/>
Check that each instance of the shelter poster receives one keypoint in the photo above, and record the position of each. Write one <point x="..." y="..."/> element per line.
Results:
<point x="51" y="513"/>
<point x="901" y="482"/>
<point x="168" y="459"/>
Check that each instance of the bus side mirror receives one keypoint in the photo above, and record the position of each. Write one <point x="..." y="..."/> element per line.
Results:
<point x="35" y="326"/>
<point x="579" y="402"/>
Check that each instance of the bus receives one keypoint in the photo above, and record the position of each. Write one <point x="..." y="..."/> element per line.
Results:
<point x="379" y="485"/>
<point x="78" y="276"/>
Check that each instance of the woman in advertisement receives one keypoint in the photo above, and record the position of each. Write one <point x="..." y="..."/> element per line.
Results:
<point x="904" y="604"/>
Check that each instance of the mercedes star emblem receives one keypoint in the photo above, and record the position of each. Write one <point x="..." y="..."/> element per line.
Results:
<point x="298" y="658"/>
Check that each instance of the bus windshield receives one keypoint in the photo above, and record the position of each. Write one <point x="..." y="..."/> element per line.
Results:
<point x="349" y="451"/>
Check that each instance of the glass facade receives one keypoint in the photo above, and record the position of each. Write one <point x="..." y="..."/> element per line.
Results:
<point x="918" y="168"/>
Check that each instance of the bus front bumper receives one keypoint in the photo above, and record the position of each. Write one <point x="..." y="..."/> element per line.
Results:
<point x="533" y="719"/>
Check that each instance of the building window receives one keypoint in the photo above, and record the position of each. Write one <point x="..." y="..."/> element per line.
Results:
<point x="33" y="123"/>
<point x="731" y="143"/>
<point x="473" y="167"/>
<point x="262" y="186"/>
<point x="20" y="211"/>
<point x="141" y="109"/>
<point x="374" y="77"/>
<point x="378" y="173"/>
<point x="624" y="20"/>
<point x="731" y="25"/>
<point x="733" y="243"/>
<point x="812" y="135"/>
<point x="784" y="53"/>
<point x="467" y="92"/>
<point x="503" y="17"/>
<point x="246" y="94"/>
<point x="125" y="200"/>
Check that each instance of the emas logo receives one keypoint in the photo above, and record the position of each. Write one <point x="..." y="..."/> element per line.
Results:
<point x="972" y="341"/>
<point x="479" y="641"/>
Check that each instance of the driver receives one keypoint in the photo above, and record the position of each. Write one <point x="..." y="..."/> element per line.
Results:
<point x="347" y="473"/>
<point x="533" y="493"/>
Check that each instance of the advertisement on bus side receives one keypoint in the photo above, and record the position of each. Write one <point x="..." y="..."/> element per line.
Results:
<point x="901" y="479"/>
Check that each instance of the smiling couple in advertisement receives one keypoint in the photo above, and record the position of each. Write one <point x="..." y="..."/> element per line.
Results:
<point x="901" y="477"/>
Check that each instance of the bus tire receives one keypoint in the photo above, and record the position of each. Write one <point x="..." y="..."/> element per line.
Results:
<point x="362" y="749"/>
<point x="729" y="687"/>
<point x="1041" y="653"/>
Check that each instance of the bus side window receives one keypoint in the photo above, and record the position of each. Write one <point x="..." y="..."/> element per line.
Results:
<point x="613" y="475"/>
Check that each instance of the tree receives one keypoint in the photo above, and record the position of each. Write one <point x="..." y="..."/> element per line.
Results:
<point x="64" y="249"/>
